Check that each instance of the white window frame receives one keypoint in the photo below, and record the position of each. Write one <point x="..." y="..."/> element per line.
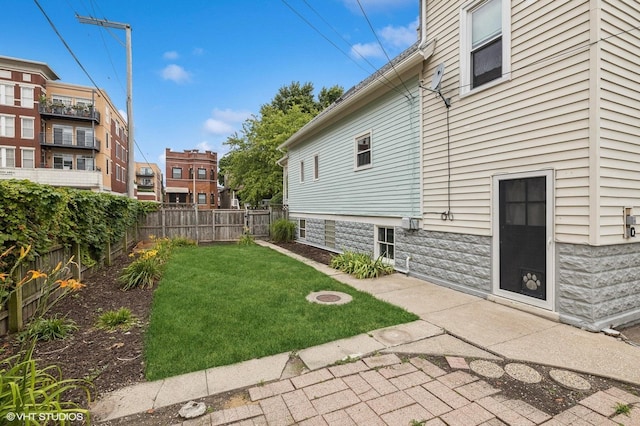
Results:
<point x="367" y="134"/>
<point x="316" y="167"/>
<point x="7" y="94"/>
<point x="66" y="158"/>
<point x="302" y="229"/>
<point x="465" y="46"/>
<point x="377" y="251"/>
<point x="3" y="157"/>
<point x="23" y="129"/>
<point x="33" y="157"/>
<point x="7" y="126"/>
<point x="202" y="198"/>
<point x="27" y="97"/>
<point x="301" y="171"/>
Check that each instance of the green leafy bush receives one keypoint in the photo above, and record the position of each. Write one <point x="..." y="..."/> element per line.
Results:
<point x="360" y="265"/>
<point x="121" y="319"/>
<point x="283" y="231"/>
<point x="48" y="329"/>
<point x="247" y="239"/>
<point x="41" y="216"/>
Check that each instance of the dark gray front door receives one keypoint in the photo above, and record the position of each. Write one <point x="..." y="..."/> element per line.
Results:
<point x="523" y="231"/>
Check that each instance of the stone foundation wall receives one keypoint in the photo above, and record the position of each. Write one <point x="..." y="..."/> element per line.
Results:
<point x="598" y="287"/>
<point x="355" y="236"/>
<point x="455" y="260"/>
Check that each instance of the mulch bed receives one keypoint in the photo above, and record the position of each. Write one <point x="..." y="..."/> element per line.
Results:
<point x="112" y="360"/>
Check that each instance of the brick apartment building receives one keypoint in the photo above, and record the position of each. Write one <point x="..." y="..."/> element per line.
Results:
<point x="192" y="172"/>
<point x="58" y="133"/>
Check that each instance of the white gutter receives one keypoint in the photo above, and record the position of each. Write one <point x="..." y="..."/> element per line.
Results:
<point x="378" y="86"/>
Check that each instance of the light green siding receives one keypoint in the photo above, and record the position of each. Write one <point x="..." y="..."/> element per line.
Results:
<point x="390" y="187"/>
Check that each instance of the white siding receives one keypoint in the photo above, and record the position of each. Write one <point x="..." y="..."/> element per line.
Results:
<point x="391" y="187"/>
<point x="620" y="115"/>
<point x="539" y="119"/>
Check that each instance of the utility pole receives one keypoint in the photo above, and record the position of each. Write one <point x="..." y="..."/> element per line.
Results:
<point x="131" y="141"/>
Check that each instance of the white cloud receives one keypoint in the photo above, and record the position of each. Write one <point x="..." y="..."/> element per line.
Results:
<point x="197" y="51"/>
<point x="401" y="37"/>
<point x="171" y="55"/>
<point x="225" y="122"/>
<point x="124" y="115"/>
<point x="367" y="50"/>
<point x="204" y="146"/>
<point x="393" y="38"/>
<point x="176" y="74"/>
<point x="162" y="159"/>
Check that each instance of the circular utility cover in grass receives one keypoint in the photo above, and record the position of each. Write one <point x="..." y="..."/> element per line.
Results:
<point x="329" y="297"/>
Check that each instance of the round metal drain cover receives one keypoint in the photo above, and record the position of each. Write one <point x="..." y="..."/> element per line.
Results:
<point x="329" y="297"/>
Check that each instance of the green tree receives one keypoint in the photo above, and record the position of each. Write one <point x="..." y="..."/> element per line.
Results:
<point x="250" y="166"/>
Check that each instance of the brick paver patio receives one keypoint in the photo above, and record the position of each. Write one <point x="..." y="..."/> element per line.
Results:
<point x="383" y="390"/>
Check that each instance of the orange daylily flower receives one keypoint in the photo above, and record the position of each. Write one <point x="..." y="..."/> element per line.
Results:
<point x="73" y="284"/>
<point x="37" y="274"/>
<point x="3" y="277"/>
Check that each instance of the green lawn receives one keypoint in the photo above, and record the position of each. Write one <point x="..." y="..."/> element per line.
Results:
<point x="222" y="304"/>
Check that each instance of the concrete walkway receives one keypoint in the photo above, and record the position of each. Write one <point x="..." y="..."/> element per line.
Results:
<point x="383" y="390"/>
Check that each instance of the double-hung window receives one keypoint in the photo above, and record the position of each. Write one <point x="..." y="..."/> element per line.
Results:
<point x="485" y="42"/>
<point x="26" y="97"/>
<point x="176" y="172"/>
<point x="28" y="127"/>
<point x="7" y="126"/>
<point x="363" y="151"/>
<point x="28" y="158"/>
<point x="6" y="94"/>
<point x="7" y="156"/>
<point x="385" y="243"/>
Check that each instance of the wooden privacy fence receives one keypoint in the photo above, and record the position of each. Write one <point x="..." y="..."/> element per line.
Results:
<point x="24" y="301"/>
<point x="208" y="225"/>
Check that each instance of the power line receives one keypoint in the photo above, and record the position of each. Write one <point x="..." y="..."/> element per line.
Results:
<point x="377" y="73"/>
<point x="383" y="49"/>
<point x="353" y="49"/>
<point x="80" y="65"/>
<point x="66" y="44"/>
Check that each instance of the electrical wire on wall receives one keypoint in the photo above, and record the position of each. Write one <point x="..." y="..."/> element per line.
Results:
<point x="447" y="214"/>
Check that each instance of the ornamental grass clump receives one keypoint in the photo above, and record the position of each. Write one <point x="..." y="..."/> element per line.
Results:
<point x="360" y="265"/>
<point x="283" y="231"/>
<point x="45" y="329"/>
<point x="142" y="272"/>
<point x="147" y="267"/>
<point x="121" y="319"/>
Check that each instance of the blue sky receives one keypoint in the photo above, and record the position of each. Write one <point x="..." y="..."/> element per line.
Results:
<point x="200" y="68"/>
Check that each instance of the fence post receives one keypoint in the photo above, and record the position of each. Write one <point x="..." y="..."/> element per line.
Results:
<point x="107" y="259"/>
<point x="164" y="222"/>
<point x="77" y="270"/>
<point x="15" y="310"/>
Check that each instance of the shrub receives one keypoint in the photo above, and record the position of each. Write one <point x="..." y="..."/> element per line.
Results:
<point x="112" y="320"/>
<point x="283" y="231"/>
<point x="48" y="329"/>
<point x="142" y="272"/>
<point x="182" y="242"/>
<point x="360" y="265"/>
<point x="246" y="239"/>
